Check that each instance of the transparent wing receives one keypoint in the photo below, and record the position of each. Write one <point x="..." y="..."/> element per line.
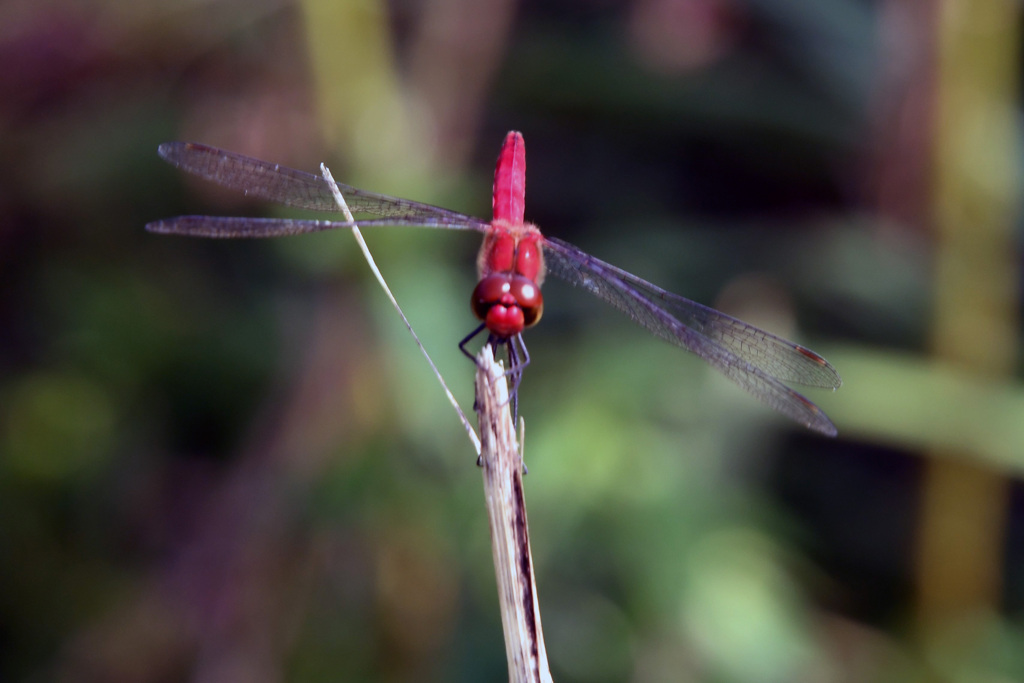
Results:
<point x="288" y="186"/>
<point x="756" y="360"/>
<point x="231" y="227"/>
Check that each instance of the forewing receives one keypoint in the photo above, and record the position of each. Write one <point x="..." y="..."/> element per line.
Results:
<point x="754" y="359"/>
<point x="232" y="227"/>
<point x="288" y="186"/>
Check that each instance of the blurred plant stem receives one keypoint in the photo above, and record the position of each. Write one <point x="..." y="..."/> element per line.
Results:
<point x="358" y="89"/>
<point x="964" y="506"/>
<point x="976" y="419"/>
<point x="412" y="115"/>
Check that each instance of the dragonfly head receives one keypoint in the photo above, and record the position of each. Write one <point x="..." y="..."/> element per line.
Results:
<point x="507" y="304"/>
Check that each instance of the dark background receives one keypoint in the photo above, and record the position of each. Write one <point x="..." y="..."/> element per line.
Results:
<point x="225" y="461"/>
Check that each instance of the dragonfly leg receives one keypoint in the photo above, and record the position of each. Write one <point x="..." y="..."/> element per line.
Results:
<point x="514" y="374"/>
<point x="469" y="338"/>
<point x="462" y="347"/>
<point x="518" y="359"/>
<point x="516" y="365"/>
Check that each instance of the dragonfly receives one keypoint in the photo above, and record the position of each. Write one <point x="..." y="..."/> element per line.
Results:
<point x="512" y="263"/>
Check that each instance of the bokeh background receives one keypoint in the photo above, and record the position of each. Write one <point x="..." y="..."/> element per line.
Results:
<point x="225" y="461"/>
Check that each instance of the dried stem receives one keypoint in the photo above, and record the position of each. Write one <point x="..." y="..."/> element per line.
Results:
<point x="502" y="465"/>
<point x="343" y="205"/>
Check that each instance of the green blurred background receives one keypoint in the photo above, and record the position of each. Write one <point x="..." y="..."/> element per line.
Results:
<point x="225" y="461"/>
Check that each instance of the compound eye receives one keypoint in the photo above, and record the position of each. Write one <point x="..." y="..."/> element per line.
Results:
<point x="528" y="297"/>
<point x="488" y="292"/>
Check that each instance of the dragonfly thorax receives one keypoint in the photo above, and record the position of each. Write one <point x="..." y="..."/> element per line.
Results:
<point x="513" y="249"/>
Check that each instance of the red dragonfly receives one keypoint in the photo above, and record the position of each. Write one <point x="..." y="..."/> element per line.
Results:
<point x="512" y="263"/>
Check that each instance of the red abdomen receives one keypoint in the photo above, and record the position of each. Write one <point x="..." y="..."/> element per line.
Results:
<point x="509" y="199"/>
